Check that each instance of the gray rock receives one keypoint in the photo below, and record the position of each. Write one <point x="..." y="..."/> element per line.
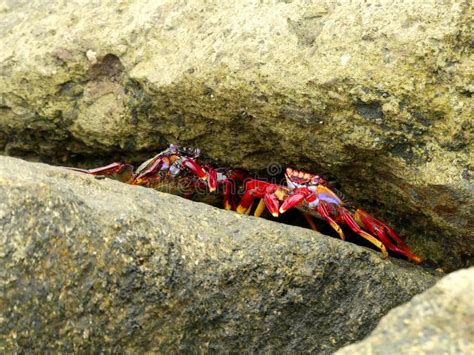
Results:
<point x="439" y="321"/>
<point x="376" y="94"/>
<point x="93" y="265"/>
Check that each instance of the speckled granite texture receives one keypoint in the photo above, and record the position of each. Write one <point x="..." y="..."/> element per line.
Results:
<point x="439" y="321"/>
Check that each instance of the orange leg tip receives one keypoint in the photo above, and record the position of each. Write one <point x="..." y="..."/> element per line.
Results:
<point x="260" y="208"/>
<point x="339" y="231"/>
<point x="241" y="209"/>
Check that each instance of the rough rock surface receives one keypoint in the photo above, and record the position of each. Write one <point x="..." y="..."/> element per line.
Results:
<point x="439" y="321"/>
<point x="89" y="265"/>
<point x="374" y="93"/>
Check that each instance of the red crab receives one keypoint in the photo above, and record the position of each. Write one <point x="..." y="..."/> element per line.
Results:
<point x="165" y="165"/>
<point x="315" y="197"/>
<point x="175" y="170"/>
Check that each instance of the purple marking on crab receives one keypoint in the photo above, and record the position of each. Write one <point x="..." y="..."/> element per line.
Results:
<point x="329" y="198"/>
<point x="174" y="170"/>
<point x="165" y="165"/>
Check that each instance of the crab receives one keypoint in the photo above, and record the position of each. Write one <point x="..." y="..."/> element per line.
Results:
<point x="165" y="165"/>
<point x="176" y="170"/>
<point x="315" y="197"/>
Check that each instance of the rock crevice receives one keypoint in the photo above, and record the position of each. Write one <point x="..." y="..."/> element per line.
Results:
<point x="377" y="95"/>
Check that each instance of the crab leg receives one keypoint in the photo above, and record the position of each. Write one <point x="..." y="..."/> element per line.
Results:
<point x="253" y="189"/>
<point x="151" y="168"/>
<point x="103" y="170"/>
<point x="272" y="203"/>
<point x="396" y="249"/>
<point x="230" y="180"/>
<point x="246" y="201"/>
<point x="269" y="199"/>
<point x="381" y="230"/>
<point x="349" y="220"/>
<point x="227" y="192"/>
<point x="212" y="178"/>
<point x="324" y="212"/>
<point x="260" y="208"/>
<point x="260" y="189"/>
<point x="195" y="168"/>
<point x="372" y="224"/>
<point x="154" y="164"/>
<point x="120" y="171"/>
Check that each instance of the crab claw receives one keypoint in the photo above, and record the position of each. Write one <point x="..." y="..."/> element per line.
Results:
<point x="295" y="198"/>
<point x="212" y="178"/>
<point x="194" y="168"/>
<point x="272" y="203"/>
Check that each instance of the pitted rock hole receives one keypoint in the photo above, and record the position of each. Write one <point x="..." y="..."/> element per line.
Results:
<point x="110" y="66"/>
<point x="370" y="111"/>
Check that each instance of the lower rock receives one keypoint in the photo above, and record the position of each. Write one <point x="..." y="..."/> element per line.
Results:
<point x="95" y="265"/>
<point x="439" y="321"/>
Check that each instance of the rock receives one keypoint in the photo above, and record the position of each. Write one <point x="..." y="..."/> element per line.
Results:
<point x="93" y="265"/>
<point x="377" y="95"/>
<point x="439" y="321"/>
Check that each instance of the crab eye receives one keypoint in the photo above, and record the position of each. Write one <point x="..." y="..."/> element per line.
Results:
<point x="173" y="148"/>
<point x="197" y="152"/>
